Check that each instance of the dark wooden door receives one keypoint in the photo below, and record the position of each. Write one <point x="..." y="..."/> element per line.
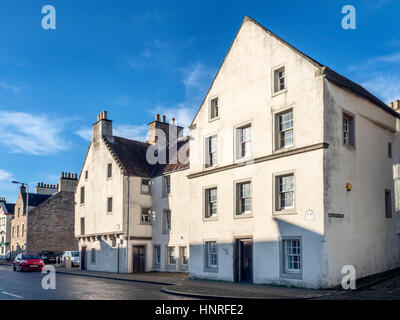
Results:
<point x="244" y="260"/>
<point x="139" y="255"/>
<point x="83" y="258"/>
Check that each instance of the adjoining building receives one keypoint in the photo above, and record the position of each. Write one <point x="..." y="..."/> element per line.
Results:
<point x="6" y="212"/>
<point x="114" y="213"/>
<point x="49" y="223"/>
<point x="293" y="175"/>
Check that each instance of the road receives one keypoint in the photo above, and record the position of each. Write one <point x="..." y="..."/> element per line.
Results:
<point x="27" y="286"/>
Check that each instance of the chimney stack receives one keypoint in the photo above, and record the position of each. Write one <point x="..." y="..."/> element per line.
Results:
<point x="67" y="182"/>
<point x="391" y="105"/>
<point x="103" y="127"/>
<point x="167" y="128"/>
<point x="397" y="105"/>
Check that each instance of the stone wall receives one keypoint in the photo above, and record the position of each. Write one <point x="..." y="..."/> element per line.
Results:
<point x="51" y="225"/>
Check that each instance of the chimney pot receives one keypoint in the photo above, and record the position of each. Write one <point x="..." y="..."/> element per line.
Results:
<point x="397" y="105"/>
<point x="391" y="105"/>
<point x="157" y="117"/>
<point x="173" y="121"/>
<point x="163" y="118"/>
<point x="105" y="114"/>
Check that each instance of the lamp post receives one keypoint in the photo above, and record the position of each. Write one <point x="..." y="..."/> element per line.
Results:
<point x="26" y="211"/>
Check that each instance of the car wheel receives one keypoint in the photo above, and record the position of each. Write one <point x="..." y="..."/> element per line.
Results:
<point x="21" y="269"/>
<point x="14" y="267"/>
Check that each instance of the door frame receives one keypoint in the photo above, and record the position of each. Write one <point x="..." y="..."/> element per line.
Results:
<point x="236" y="257"/>
<point x="145" y="254"/>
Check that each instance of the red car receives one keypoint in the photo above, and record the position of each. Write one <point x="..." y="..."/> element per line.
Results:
<point x="28" y="261"/>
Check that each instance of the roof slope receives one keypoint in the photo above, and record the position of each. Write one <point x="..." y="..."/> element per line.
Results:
<point x="329" y="74"/>
<point x="37" y="199"/>
<point x="131" y="157"/>
<point x="10" y="208"/>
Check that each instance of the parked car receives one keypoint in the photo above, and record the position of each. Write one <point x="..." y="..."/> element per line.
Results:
<point x="28" y="261"/>
<point x="48" y="256"/>
<point x="75" y="258"/>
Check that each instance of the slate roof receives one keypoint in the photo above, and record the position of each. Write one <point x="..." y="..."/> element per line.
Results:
<point x="131" y="157"/>
<point x="10" y="207"/>
<point x="36" y="199"/>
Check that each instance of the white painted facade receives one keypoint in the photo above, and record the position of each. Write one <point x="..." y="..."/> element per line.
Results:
<point x="338" y="216"/>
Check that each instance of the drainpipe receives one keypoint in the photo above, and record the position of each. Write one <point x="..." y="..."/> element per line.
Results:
<point x="128" y="231"/>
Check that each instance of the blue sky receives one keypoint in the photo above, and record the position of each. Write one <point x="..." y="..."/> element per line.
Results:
<point x="136" y="58"/>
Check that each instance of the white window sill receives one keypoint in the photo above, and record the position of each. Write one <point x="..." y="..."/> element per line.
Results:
<point x="287" y="148"/>
<point x="213" y="119"/>
<point x="279" y="92"/>
<point x="210" y="219"/>
<point x="284" y="212"/>
<point x="243" y="215"/>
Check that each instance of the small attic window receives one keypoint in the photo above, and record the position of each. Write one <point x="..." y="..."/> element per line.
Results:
<point x="279" y="79"/>
<point x="214" y="109"/>
<point x="109" y="170"/>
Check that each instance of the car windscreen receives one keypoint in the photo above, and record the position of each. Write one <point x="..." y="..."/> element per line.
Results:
<point x="48" y="253"/>
<point x="75" y="254"/>
<point x="30" y="256"/>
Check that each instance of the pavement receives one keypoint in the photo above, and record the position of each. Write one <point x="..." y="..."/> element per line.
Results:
<point x="375" y="287"/>
<point x="180" y="284"/>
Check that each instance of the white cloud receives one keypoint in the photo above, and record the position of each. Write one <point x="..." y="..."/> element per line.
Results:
<point x="85" y="133"/>
<point x="134" y="132"/>
<point x="5" y="176"/>
<point x="32" y="134"/>
<point x="6" y="86"/>
<point x="385" y="87"/>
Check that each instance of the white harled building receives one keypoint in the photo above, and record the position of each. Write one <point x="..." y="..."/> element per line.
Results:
<point x="293" y="175"/>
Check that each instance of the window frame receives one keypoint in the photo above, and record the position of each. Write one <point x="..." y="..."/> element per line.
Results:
<point x="390" y="150"/>
<point x="352" y="131"/>
<point x="168" y="265"/>
<point x="155" y="263"/>
<point x="181" y="257"/>
<point x="274" y="71"/>
<point x="149" y="186"/>
<point x="238" y="144"/>
<point x="207" y="152"/>
<point x="93" y="256"/>
<point x="276" y="209"/>
<point x="210" y="108"/>
<point x="109" y="170"/>
<point x="284" y="273"/>
<point x="109" y="206"/>
<point x="206" y="216"/>
<point x="164" y="221"/>
<point x="207" y="266"/>
<point x="149" y="215"/>
<point x="82" y="196"/>
<point x="388" y="206"/>
<point x="236" y="192"/>
<point x="166" y="177"/>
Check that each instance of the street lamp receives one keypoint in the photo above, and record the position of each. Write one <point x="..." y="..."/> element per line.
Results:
<point x="26" y="211"/>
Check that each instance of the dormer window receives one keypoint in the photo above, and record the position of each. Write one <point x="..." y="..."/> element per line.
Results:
<point x="214" y="109"/>
<point x="145" y="186"/>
